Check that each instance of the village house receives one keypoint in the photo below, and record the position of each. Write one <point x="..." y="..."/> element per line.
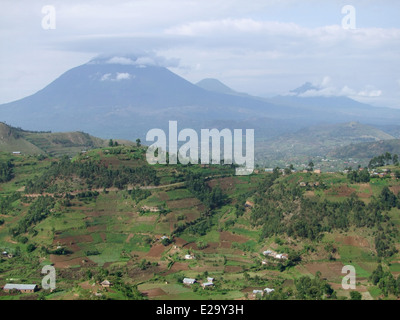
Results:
<point x="281" y="256"/>
<point x="207" y="285"/>
<point x="106" y="284"/>
<point x="23" y="288"/>
<point x="268" y="290"/>
<point x="249" y="204"/>
<point x="189" y="281"/>
<point x="189" y="257"/>
<point x="258" y="292"/>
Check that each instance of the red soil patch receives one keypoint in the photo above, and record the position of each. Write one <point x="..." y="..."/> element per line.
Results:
<point x="156" y="251"/>
<point x="163" y="196"/>
<point x="180" y="242"/>
<point x="340" y="191"/>
<point x="395" y="189"/>
<point x="226" y="184"/>
<point x="183" y="203"/>
<point x="65" y="261"/>
<point x="230" y="237"/>
<point x="154" y="292"/>
<point x="178" y="266"/>
<point x="329" y="270"/>
<point x="354" y="241"/>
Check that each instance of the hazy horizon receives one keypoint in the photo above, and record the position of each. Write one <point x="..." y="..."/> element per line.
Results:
<point x="263" y="48"/>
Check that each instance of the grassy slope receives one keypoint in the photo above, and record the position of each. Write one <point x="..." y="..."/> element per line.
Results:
<point x="113" y="225"/>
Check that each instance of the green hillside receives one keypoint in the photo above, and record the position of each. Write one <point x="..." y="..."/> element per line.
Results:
<point x="316" y="141"/>
<point x="47" y="143"/>
<point x="366" y="150"/>
<point x="108" y="215"/>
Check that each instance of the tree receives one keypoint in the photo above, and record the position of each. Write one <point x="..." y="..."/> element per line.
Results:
<point x="138" y="142"/>
<point x="110" y="143"/>
<point x="395" y="159"/>
<point x="355" y="295"/>
<point x="310" y="166"/>
<point x="31" y="247"/>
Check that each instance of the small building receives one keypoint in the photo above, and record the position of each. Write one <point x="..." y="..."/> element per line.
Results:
<point x="209" y="279"/>
<point x="16" y="153"/>
<point x="106" y="284"/>
<point x="268" y="290"/>
<point x="207" y="284"/>
<point x="281" y="256"/>
<point x="189" y="281"/>
<point x="303" y="184"/>
<point x="23" y="288"/>
<point x="317" y="171"/>
<point x="258" y="292"/>
<point x="189" y="257"/>
<point x="267" y="252"/>
<point x="249" y="204"/>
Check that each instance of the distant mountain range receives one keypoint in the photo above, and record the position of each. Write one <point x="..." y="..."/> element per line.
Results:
<point x="110" y="97"/>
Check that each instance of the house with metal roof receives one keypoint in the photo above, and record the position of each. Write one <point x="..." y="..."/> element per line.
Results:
<point x="189" y="281"/>
<point x="24" y="288"/>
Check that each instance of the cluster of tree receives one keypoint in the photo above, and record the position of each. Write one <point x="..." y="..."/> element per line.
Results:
<point x="138" y="194"/>
<point x="385" y="281"/>
<point x="92" y="252"/>
<point x="211" y="198"/>
<point x="37" y="211"/>
<point x="7" y="201"/>
<point x="112" y="143"/>
<point x="87" y="194"/>
<point x="96" y="174"/>
<point x="384" y="159"/>
<point x="313" y="289"/>
<point x="356" y="176"/>
<point x="280" y="208"/>
<point x="6" y="171"/>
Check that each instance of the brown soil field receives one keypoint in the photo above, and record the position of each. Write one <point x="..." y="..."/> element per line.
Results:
<point x="355" y="241"/>
<point x="157" y="250"/>
<point x="341" y="191"/>
<point x="395" y="189"/>
<point x="230" y="237"/>
<point x="65" y="261"/>
<point x="329" y="270"/>
<point x="156" y="292"/>
<point x="183" y="203"/>
<point x="180" y="242"/>
<point x="178" y="266"/>
<point x="163" y="195"/>
<point x="226" y="184"/>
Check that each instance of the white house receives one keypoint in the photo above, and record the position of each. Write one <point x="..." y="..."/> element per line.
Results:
<point x="268" y="290"/>
<point x="189" y="257"/>
<point x="267" y="252"/>
<point x="189" y="281"/>
<point x="207" y="284"/>
<point x="256" y="292"/>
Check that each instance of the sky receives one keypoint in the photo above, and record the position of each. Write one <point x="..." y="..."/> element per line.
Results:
<point x="261" y="47"/>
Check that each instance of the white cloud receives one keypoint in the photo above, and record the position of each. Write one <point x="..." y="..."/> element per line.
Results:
<point x="117" y="77"/>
